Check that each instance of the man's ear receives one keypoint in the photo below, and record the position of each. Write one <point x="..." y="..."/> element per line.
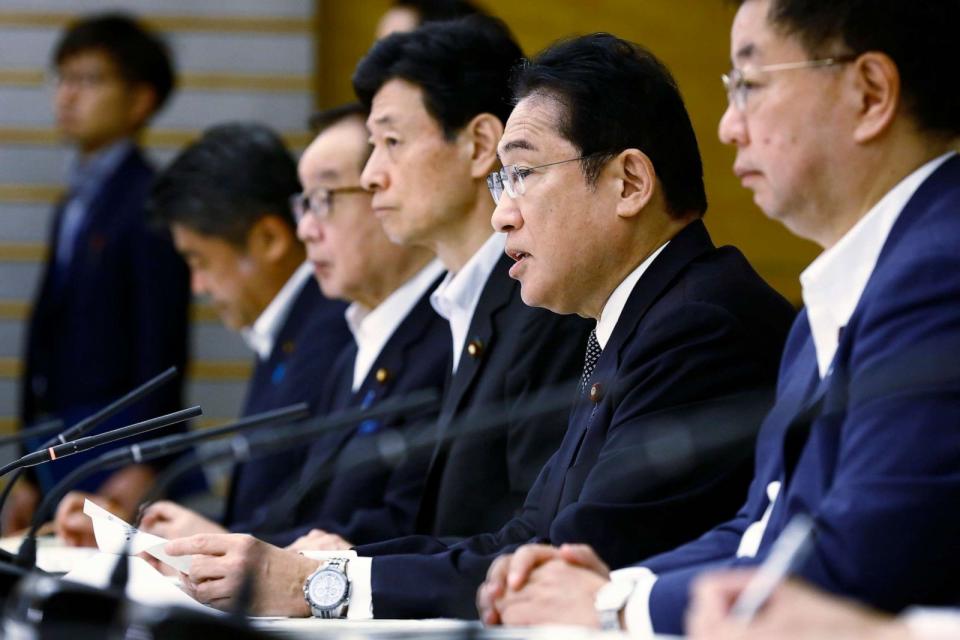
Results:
<point x="269" y="239"/>
<point x="481" y="136"/>
<point x="636" y="180"/>
<point x="876" y="89"/>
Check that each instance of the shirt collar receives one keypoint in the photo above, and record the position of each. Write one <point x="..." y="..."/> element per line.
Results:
<point x="456" y="298"/>
<point x="610" y="314"/>
<point x="833" y="283"/>
<point x="262" y="334"/>
<point x="372" y="328"/>
<point x="86" y="174"/>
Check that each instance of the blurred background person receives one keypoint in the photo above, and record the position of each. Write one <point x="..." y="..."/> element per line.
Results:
<point x="112" y="306"/>
<point x="407" y="15"/>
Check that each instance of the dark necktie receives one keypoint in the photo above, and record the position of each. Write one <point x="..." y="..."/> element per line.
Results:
<point x="590" y="361"/>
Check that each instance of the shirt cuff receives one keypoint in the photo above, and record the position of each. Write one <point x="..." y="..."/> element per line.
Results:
<point x="358" y="573"/>
<point x="636" y="614"/>
<point x="932" y="624"/>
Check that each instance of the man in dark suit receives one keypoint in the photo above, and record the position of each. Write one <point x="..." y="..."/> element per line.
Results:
<point x="434" y="131"/>
<point x="862" y="437"/>
<point x="112" y="306"/>
<point x="689" y="333"/>
<point x="226" y="200"/>
<point x="351" y="486"/>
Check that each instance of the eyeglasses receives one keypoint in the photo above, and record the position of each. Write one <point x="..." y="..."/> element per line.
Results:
<point x="79" y="79"/>
<point x="318" y="202"/>
<point x="738" y="85"/>
<point x="510" y="179"/>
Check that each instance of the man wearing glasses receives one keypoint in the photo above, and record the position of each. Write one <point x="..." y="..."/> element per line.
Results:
<point x="658" y="444"/>
<point x="844" y="130"/>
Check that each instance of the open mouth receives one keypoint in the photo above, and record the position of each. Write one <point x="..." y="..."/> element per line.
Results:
<point x="517" y="255"/>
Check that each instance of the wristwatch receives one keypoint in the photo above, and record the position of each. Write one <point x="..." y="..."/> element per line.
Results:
<point x="610" y="601"/>
<point x="327" y="590"/>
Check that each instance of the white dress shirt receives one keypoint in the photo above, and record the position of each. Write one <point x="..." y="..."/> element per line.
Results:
<point x="261" y="335"/>
<point x="372" y="328"/>
<point x="832" y="286"/>
<point x="457" y="296"/>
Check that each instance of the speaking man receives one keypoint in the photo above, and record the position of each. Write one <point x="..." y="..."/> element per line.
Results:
<point x="844" y="131"/>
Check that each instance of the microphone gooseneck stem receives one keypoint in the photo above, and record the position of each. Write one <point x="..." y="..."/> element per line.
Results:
<point x="93" y="420"/>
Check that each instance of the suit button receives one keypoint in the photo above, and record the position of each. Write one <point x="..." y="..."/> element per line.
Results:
<point x="288" y="347"/>
<point x="382" y="375"/>
<point x="475" y="348"/>
<point x="596" y="393"/>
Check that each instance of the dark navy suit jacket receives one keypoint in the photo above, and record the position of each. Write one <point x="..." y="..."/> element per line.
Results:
<point x="352" y="490"/>
<point x="115" y="317"/>
<point x="313" y="335"/>
<point x="871" y="451"/>
<point x="478" y="481"/>
<point x="695" y="346"/>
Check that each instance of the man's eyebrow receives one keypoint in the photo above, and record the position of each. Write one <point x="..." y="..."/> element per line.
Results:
<point x="745" y="52"/>
<point x="520" y="143"/>
<point x="327" y="174"/>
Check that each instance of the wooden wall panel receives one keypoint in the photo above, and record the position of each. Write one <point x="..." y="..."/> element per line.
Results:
<point x="690" y="36"/>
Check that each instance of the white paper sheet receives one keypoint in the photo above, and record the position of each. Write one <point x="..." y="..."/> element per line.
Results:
<point x="118" y="537"/>
<point x="144" y="583"/>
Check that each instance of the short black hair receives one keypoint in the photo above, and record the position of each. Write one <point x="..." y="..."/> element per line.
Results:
<point x="222" y="184"/>
<point x="435" y="10"/>
<point x="616" y="95"/>
<point x="920" y="37"/>
<point x="463" y="67"/>
<point x="140" y="56"/>
<point x="323" y="120"/>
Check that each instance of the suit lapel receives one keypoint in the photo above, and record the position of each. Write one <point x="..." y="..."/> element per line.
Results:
<point x="497" y="294"/>
<point x="692" y="242"/>
<point x="397" y="354"/>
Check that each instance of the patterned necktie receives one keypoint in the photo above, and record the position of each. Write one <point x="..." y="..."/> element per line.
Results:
<point x="590" y="361"/>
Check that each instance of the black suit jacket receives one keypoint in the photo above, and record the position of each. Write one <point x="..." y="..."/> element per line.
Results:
<point x="348" y="486"/>
<point x="645" y="463"/>
<point x="478" y="481"/>
<point x="113" y="318"/>
<point x="313" y="335"/>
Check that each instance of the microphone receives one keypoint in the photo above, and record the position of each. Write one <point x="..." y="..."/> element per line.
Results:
<point x="36" y="431"/>
<point x="27" y="555"/>
<point x="396" y="445"/>
<point x="175" y="617"/>
<point x="94" y="420"/>
<point x="240" y="449"/>
<point x="159" y="447"/>
<point x="89" y="442"/>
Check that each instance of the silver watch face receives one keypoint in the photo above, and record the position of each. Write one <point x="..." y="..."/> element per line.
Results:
<point x="328" y="588"/>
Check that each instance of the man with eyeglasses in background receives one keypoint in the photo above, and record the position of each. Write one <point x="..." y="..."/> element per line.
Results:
<point x="846" y="132"/>
<point x="111" y="310"/>
<point x="690" y="333"/>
